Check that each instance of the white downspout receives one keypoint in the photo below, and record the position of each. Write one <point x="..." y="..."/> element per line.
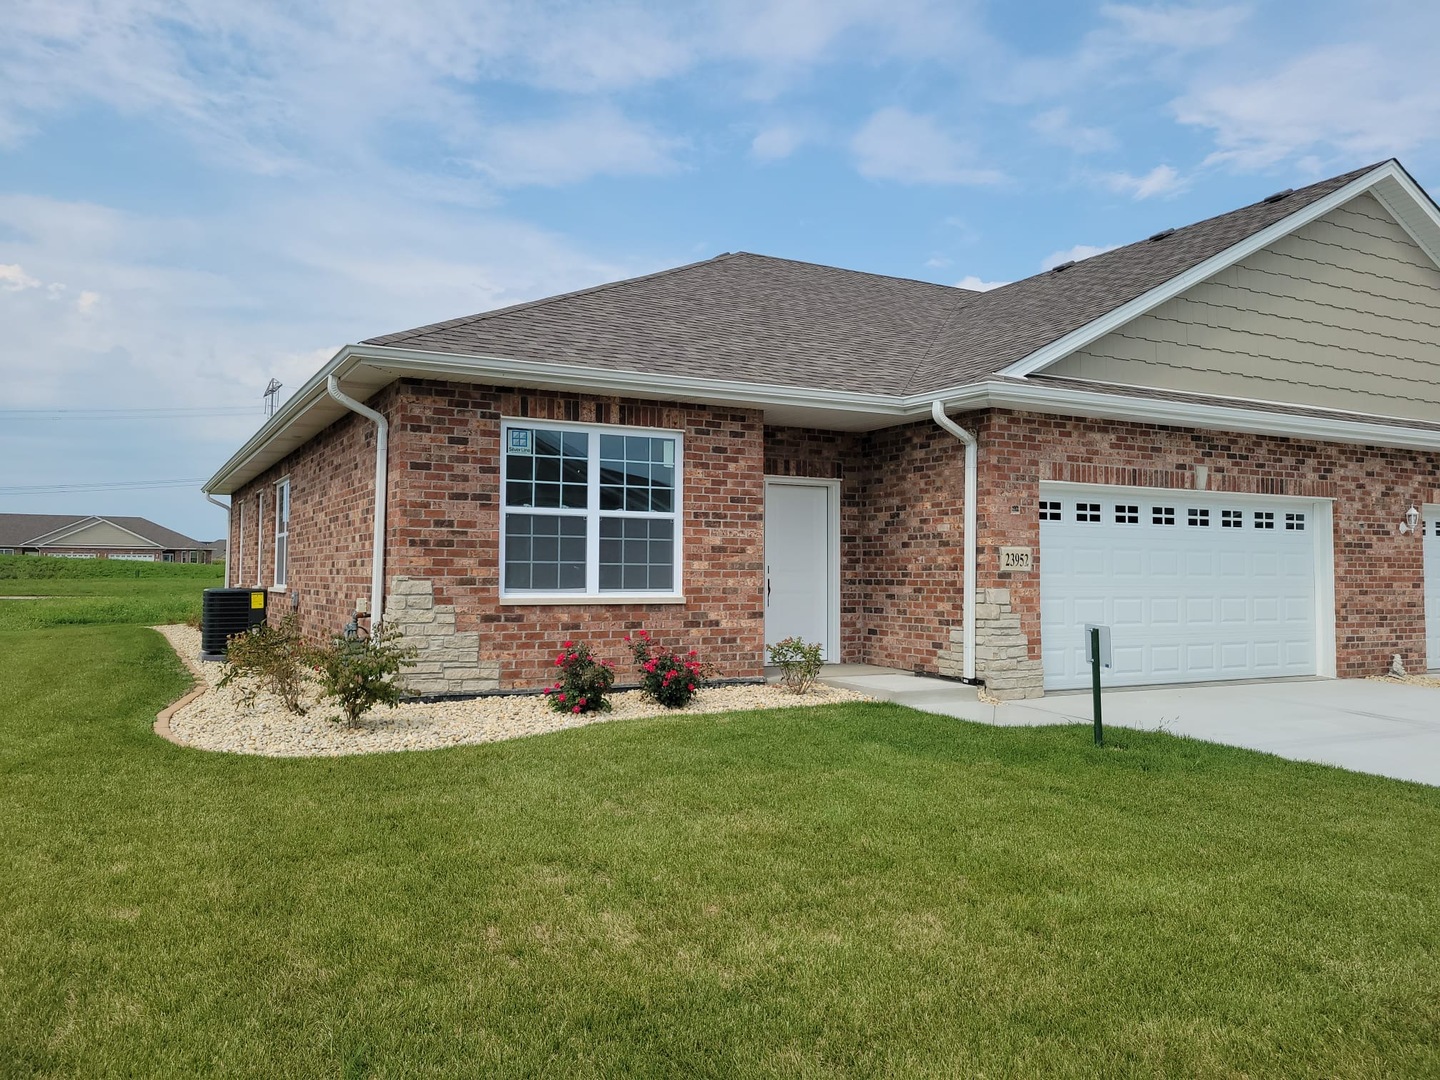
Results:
<point x="382" y="446"/>
<point x="223" y="506"/>
<point x="937" y="410"/>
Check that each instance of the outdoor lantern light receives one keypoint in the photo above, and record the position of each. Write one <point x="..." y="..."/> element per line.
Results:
<point x="1411" y="522"/>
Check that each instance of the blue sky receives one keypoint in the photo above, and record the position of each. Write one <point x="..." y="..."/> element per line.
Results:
<point x="198" y="197"/>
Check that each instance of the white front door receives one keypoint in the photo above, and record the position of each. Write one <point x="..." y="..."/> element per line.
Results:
<point x="1432" y="586"/>
<point x="802" y="573"/>
<point x="1193" y="585"/>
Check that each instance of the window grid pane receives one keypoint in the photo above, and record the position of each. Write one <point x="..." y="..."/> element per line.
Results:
<point x="637" y="472"/>
<point x="544" y="552"/>
<point x="636" y="554"/>
<point x="547" y="469"/>
<point x="1049" y="510"/>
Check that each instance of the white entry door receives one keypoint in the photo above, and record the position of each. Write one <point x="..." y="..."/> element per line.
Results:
<point x="1193" y="585"/>
<point x="1432" y="586"/>
<point x="802" y="557"/>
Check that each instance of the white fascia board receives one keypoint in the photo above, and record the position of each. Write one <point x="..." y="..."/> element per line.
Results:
<point x="1113" y="320"/>
<point x="1413" y="210"/>
<point x="295" y="406"/>
<point x="415" y="363"/>
<point x="644" y="384"/>
<point x="1030" y="397"/>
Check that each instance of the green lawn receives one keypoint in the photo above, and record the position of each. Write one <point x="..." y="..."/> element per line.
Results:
<point x="856" y="890"/>
<point x="100" y="591"/>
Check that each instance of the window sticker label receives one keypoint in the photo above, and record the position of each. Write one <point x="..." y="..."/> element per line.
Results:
<point x="521" y="441"/>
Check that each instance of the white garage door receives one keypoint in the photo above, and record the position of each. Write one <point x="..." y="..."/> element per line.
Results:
<point x="1193" y="586"/>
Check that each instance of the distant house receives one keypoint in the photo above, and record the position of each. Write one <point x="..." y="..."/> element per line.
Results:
<point x="72" y="536"/>
<point x="217" y="550"/>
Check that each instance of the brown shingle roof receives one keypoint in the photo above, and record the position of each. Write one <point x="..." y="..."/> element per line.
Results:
<point x="744" y="317"/>
<point x="753" y="318"/>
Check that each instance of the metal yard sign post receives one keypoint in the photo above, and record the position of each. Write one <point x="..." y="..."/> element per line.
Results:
<point x="1097" y="652"/>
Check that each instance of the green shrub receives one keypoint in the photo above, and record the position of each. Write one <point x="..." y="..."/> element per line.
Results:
<point x="799" y="663"/>
<point x="666" y="677"/>
<point x="584" y="681"/>
<point x="273" y="658"/>
<point x="362" y="673"/>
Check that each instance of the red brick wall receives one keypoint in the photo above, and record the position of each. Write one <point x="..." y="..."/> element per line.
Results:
<point x="444" y="518"/>
<point x="1379" y="583"/>
<point x="902" y="510"/>
<point x="332" y="496"/>
<point x="901" y="520"/>
<point x="901" y="544"/>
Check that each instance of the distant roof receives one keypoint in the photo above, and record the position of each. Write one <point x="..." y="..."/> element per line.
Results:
<point x="760" y="319"/>
<point x="21" y="530"/>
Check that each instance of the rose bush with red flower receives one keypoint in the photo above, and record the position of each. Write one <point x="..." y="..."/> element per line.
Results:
<point x="670" y="678"/>
<point x="583" y="681"/>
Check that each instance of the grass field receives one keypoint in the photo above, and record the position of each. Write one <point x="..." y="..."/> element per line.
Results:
<point x="74" y="592"/>
<point x="855" y="890"/>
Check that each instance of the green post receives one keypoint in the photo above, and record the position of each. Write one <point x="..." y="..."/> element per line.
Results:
<point x="1095" y="682"/>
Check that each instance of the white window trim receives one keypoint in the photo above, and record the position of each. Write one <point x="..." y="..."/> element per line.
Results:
<point x="592" y="512"/>
<point x="283" y="484"/>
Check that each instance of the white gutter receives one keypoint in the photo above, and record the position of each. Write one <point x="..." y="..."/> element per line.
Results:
<point x="972" y="569"/>
<point x="377" y="550"/>
<point x="211" y="499"/>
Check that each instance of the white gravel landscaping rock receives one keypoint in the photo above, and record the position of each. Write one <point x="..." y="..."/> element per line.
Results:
<point x="219" y="720"/>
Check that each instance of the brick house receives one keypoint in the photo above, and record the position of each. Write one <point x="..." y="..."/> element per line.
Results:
<point x="86" y="536"/>
<point x="1223" y="442"/>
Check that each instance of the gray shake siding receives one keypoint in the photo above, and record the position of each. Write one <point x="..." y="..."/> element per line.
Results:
<point x="1341" y="314"/>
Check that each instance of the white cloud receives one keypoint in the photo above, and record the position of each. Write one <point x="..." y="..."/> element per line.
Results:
<point x="597" y="142"/>
<point x="1183" y="28"/>
<point x="1056" y="126"/>
<point x="13" y="278"/>
<point x="1075" y="254"/>
<point x="87" y="302"/>
<point x="898" y="145"/>
<point x="1161" y="180"/>
<point x="775" y="143"/>
<point x="1350" y="102"/>
<point x="976" y="284"/>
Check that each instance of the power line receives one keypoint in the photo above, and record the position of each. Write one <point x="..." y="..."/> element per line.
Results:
<point x="127" y="414"/>
<point x="128" y="485"/>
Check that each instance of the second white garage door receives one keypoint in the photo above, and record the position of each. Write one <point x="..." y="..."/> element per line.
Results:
<point x="1194" y="586"/>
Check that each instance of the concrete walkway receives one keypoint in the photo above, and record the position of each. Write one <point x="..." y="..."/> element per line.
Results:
<point x="1385" y="728"/>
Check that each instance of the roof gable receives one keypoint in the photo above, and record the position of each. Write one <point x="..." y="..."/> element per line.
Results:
<point x="1343" y="313"/>
<point x="1022" y="327"/>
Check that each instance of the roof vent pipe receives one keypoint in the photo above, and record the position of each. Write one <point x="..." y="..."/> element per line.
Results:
<point x="377" y="551"/>
<point x="226" y="507"/>
<point x="937" y="411"/>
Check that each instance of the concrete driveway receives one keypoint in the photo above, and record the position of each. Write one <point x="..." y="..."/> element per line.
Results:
<point x="1389" y="729"/>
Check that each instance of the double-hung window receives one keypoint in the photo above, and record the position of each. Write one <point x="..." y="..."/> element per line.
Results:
<point x="589" y="511"/>
<point x="282" y="531"/>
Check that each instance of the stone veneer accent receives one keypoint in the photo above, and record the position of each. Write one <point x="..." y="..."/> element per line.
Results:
<point x="1002" y="650"/>
<point x="449" y="660"/>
